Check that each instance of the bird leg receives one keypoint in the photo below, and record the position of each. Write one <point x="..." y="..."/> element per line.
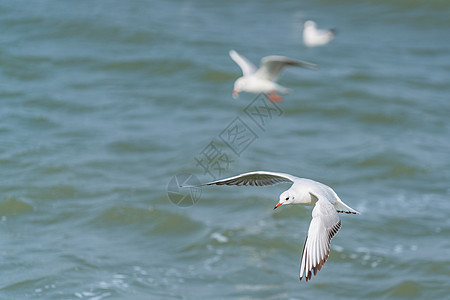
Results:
<point x="274" y="97"/>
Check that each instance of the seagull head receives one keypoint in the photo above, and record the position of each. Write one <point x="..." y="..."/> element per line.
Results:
<point x="310" y="24"/>
<point x="238" y="87"/>
<point x="285" y="198"/>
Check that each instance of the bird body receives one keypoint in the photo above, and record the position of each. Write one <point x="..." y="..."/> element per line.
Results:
<point x="258" y="85"/>
<point x="309" y="191"/>
<point x="325" y="221"/>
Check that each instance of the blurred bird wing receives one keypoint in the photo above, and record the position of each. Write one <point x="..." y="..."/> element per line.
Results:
<point x="246" y="66"/>
<point x="271" y="66"/>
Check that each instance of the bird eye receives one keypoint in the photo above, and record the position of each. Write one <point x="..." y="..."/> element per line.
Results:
<point x="287" y="198"/>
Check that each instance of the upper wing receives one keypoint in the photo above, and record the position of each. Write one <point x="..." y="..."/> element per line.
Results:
<point x="257" y="178"/>
<point x="271" y="66"/>
<point x="324" y="225"/>
<point x="246" y="66"/>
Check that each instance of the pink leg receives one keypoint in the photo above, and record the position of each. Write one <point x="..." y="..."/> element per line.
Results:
<point x="274" y="97"/>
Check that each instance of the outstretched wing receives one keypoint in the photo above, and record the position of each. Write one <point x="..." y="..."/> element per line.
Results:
<point x="246" y="66"/>
<point x="271" y="66"/>
<point x="257" y="178"/>
<point x="324" y="225"/>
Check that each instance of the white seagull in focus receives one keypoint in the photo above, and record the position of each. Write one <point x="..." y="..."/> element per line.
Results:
<point x="262" y="80"/>
<point x="325" y="221"/>
<point x="316" y="37"/>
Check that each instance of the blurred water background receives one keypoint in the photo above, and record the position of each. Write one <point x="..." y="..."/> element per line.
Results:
<point x="103" y="102"/>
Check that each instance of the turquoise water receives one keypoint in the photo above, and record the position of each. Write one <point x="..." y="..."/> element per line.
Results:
<point x="102" y="103"/>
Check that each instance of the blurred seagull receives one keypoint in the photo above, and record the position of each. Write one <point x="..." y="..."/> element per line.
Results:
<point x="316" y="37"/>
<point x="325" y="221"/>
<point x="262" y="80"/>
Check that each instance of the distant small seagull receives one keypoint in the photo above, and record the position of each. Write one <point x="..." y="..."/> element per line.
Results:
<point x="316" y="37"/>
<point x="262" y="80"/>
<point x="325" y="221"/>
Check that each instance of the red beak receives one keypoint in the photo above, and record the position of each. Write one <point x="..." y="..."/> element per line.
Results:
<point x="278" y="204"/>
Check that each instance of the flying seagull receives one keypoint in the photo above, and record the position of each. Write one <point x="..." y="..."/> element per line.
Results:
<point x="325" y="221"/>
<point x="262" y="80"/>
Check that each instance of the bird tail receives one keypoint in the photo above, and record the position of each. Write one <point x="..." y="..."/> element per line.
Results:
<point x="282" y="89"/>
